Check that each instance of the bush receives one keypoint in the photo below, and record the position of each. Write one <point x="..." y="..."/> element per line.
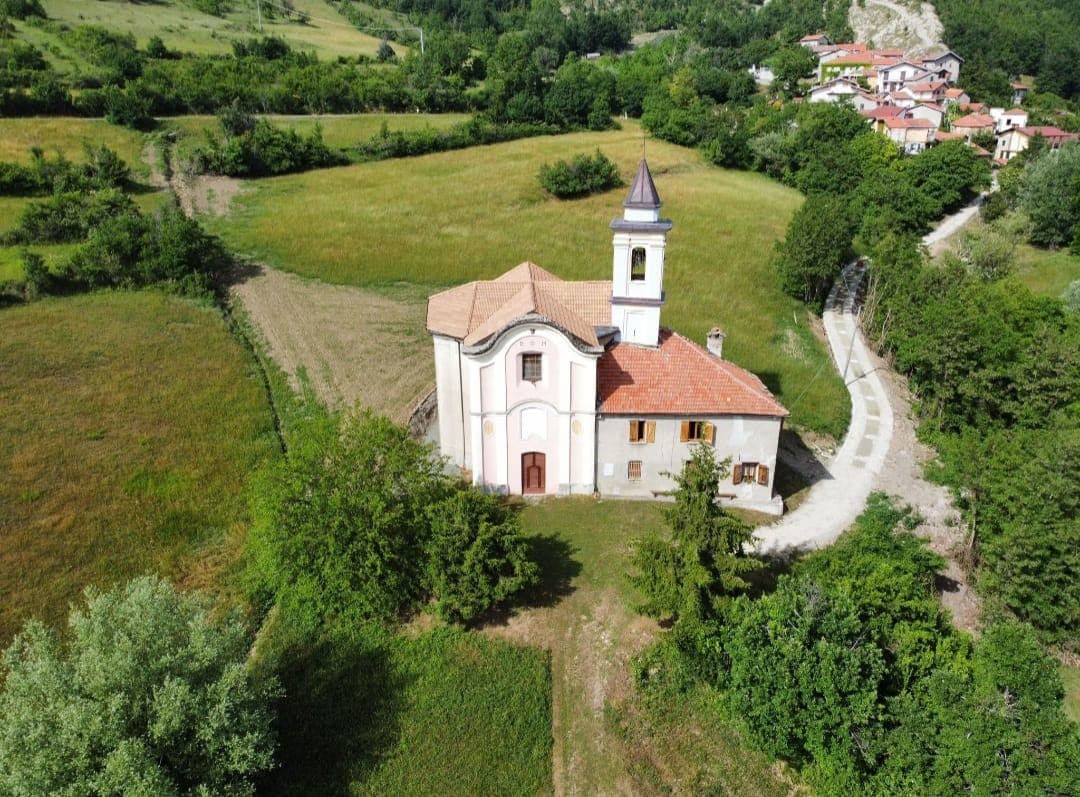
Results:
<point x="579" y="177"/>
<point x="102" y="169"/>
<point x="476" y="557"/>
<point x="361" y="522"/>
<point x="145" y="694"/>
<point x="21" y="9"/>
<point x="67" y="217"/>
<point x="253" y="148"/>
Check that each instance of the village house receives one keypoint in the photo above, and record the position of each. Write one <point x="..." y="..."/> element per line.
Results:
<point x="973" y="124"/>
<point x="897" y="75"/>
<point x="1020" y="92"/>
<point x="945" y="66"/>
<point x="912" y="135"/>
<point x="1014" y="117"/>
<point x="1013" y="141"/>
<point x="549" y="387"/>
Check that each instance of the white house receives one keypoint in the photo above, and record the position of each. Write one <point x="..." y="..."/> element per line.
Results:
<point x="946" y="65"/>
<point x="835" y="90"/>
<point x="552" y="387"/>
<point x="895" y="76"/>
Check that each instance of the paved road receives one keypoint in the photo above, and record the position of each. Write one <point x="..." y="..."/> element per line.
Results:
<point x="836" y="500"/>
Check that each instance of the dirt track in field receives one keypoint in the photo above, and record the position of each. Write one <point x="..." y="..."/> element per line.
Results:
<point x="355" y="347"/>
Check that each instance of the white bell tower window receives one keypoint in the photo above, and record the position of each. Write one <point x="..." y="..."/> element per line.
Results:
<point x="637" y="264"/>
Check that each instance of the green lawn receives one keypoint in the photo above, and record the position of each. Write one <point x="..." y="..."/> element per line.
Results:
<point x="442" y="713"/>
<point x="1045" y="272"/>
<point x="447" y="218"/>
<point x="338" y="131"/>
<point x="184" y="28"/>
<point x="606" y="732"/>
<point x="68" y="135"/>
<point x="131" y="423"/>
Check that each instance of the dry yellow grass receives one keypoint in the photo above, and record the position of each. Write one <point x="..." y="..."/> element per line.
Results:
<point x="68" y="136"/>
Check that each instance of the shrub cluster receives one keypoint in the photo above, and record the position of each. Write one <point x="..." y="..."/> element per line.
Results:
<point x="255" y="148"/>
<point x="119" y="245"/>
<point x="851" y="670"/>
<point x="102" y="168"/>
<point x="21" y="9"/>
<point x="360" y="522"/>
<point x="476" y="132"/>
<point x="581" y="176"/>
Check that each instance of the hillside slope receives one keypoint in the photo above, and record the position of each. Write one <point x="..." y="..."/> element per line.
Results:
<point x="906" y="24"/>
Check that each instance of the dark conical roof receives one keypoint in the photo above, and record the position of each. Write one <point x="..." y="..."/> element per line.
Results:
<point x="643" y="191"/>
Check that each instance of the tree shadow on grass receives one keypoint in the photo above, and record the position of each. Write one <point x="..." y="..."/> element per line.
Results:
<point x="558" y="568"/>
<point x="339" y="716"/>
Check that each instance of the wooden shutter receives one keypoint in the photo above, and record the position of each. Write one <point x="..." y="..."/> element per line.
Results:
<point x="633" y="428"/>
<point x="708" y="433"/>
<point x="650" y="431"/>
<point x="684" y="433"/>
<point x="762" y="474"/>
<point x="736" y="473"/>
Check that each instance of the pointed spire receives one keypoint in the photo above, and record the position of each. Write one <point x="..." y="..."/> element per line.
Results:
<point x="643" y="192"/>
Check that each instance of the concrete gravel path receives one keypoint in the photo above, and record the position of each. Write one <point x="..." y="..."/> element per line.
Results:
<point x="836" y="500"/>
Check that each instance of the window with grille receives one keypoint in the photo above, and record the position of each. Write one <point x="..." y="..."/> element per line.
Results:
<point x="532" y="367"/>
<point x="633" y="469"/>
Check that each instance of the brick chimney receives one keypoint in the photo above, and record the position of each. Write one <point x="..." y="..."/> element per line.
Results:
<point x="714" y="342"/>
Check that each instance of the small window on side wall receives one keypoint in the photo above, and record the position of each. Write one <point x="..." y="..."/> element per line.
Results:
<point x="532" y="367"/>
<point x="637" y="264"/>
<point x="633" y="470"/>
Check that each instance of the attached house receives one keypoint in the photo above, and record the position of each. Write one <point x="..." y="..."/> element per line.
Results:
<point x="1020" y="92"/>
<point x="945" y="66"/>
<point x="912" y="135"/>
<point x="927" y="111"/>
<point x="815" y="40"/>
<point x="836" y="90"/>
<point x="551" y="387"/>
<point x="892" y="77"/>
<point x="956" y="97"/>
<point x="1013" y="141"/>
<point x="928" y="90"/>
<point x="973" y="124"/>
<point x="1014" y="117"/>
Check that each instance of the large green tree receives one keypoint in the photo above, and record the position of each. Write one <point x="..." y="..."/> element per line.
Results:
<point x="1048" y="194"/>
<point x="145" y="695"/>
<point x="815" y="247"/>
<point x="704" y="563"/>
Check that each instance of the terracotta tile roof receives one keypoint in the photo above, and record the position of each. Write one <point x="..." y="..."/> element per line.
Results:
<point x="927" y="85"/>
<point x="975" y="120"/>
<point x="852" y="58"/>
<point x="1047" y="131"/>
<point x="896" y="123"/>
<point x="1014" y="112"/>
<point x="948" y="135"/>
<point x="474" y="312"/>
<point x="883" y="112"/>
<point x="678" y="377"/>
<point x="954" y="92"/>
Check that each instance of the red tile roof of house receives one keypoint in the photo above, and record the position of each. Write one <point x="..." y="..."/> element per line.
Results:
<point x="857" y="58"/>
<point x="954" y="93"/>
<point x="678" y="377"/>
<point x="897" y="123"/>
<point x="975" y="120"/>
<point x="1014" y="112"/>
<point x="948" y="135"/>
<point x="1054" y="135"/>
<point x="883" y="112"/>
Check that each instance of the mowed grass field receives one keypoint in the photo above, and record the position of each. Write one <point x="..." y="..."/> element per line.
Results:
<point x="184" y="28"/>
<point x="447" y="218"/>
<point x="443" y="712"/>
<point x="131" y="423"/>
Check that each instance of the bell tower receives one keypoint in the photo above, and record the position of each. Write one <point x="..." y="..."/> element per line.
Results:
<point x="637" y="283"/>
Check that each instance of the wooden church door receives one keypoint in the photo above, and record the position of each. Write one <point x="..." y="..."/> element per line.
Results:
<point x="532" y="473"/>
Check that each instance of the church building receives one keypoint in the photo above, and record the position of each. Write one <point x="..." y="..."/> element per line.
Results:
<point x="552" y="387"/>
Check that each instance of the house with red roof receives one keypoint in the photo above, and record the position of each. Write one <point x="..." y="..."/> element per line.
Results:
<point x="973" y="124"/>
<point x="548" y="387"/>
<point x="1015" y="140"/>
